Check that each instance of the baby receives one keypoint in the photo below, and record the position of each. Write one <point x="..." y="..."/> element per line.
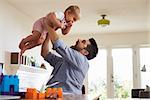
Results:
<point x="56" y="20"/>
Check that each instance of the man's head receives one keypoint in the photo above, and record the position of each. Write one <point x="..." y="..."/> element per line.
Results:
<point x="87" y="47"/>
<point x="72" y="14"/>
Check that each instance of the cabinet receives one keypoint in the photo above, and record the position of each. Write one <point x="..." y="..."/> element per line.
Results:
<point x="32" y="77"/>
<point x="29" y="76"/>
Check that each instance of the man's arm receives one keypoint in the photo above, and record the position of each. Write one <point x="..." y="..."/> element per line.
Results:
<point x="52" y="35"/>
<point x="48" y="56"/>
<point x="67" y="53"/>
<point x="45" y="47"/>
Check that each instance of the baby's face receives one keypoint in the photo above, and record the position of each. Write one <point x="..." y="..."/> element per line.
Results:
<point x="71" y="18"/>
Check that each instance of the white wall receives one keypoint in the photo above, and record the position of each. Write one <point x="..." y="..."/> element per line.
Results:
<point x="1" y="49"/>
<point x="13" y="26"/>
<point x="107" y="40"/>
<point x="149" y="19"/>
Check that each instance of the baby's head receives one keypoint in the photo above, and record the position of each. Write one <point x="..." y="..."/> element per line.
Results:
<point x="72" y="14"/>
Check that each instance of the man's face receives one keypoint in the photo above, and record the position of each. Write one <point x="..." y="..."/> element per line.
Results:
<point x="81" y="44"/>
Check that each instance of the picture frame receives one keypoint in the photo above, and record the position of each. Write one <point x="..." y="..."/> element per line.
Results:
<point x="14" y="58"/>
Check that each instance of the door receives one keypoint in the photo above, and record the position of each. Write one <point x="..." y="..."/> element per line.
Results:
<point x="122" y="72"/>
<point x="97" y="75"/>
<point x="110" y="74"/>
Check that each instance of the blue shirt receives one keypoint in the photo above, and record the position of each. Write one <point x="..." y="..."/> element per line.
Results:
<point x="70" y="69"/>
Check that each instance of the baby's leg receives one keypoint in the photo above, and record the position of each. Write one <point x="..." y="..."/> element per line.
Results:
<point x="29" y="45"/>
<point x="34" y="37"/>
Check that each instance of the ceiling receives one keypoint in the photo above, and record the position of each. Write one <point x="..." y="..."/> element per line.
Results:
<point x="124" y="15"/>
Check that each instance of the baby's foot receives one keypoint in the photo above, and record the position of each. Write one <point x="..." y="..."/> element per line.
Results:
<point x="21" y="45"/>
<point x="22" y="51"/>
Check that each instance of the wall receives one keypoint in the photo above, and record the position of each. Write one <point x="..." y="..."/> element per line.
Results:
<point x="149" y="20"/>
<point x="1" y="49"/>
<point x="106" y="40"/>
<point x="13" y="26"/>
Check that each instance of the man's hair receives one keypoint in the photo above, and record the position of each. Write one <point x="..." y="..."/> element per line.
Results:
<point x="92" y="49"/>
<point x="74" y="9"/>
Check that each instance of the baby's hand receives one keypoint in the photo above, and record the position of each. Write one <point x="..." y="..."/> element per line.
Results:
<point x="63" y="24"/>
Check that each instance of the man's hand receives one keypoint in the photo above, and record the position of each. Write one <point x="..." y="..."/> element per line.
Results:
<point x="52" y="20"/>
<point x="53" y="36"/>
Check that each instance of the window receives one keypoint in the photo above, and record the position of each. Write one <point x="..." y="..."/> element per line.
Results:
<point x="97" y="75"/>
<point x="122" y="66"/>
<point x="145" y="61"/>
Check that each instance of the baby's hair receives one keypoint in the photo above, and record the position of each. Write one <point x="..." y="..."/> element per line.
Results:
<point x="74" y="9"/>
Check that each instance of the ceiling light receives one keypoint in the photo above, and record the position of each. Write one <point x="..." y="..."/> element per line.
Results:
<point x="103" y="22"/>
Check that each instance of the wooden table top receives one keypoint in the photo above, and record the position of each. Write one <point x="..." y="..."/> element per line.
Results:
<point x="67" y="97"/>
<point x="76" y="97"/>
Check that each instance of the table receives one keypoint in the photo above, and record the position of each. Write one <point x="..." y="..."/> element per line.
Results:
<point x="65" y="97"/>
<point x="68" y="97"/>
<point x="6" y="97"/>
<point x="76" y="97"/>
<point x="87" y="97"/>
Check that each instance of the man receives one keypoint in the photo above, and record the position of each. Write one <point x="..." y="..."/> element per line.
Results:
<point x="69" y="69"/>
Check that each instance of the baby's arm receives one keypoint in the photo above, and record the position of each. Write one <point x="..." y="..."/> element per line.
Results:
<point x="66" y="30"/>
<point x="53" y="21"/>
